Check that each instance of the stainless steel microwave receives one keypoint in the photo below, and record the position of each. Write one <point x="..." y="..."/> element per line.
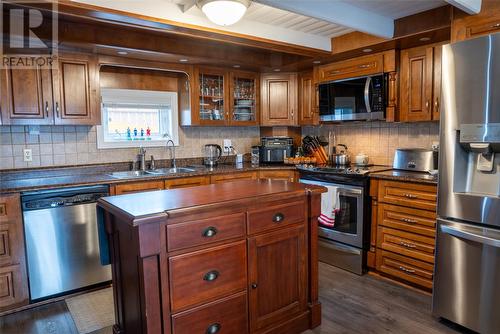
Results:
<point x="353" y="99"/>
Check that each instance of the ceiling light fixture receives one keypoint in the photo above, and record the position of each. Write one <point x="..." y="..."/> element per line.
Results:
<point x="317" y="62"/>
<point x="236" y="66"/>
<point x="424" y="39"/>
<point x="224" y="12"/>
<point x="183" y="60"/>
<point x="276" y="70"/>
<point x="367" y="50"/>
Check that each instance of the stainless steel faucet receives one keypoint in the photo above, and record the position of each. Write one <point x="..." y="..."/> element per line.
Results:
<point x="173" y="153"/>
<point x="142" y="158"/>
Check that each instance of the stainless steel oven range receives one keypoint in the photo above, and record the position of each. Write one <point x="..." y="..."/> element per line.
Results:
<point x="345" y="243"/>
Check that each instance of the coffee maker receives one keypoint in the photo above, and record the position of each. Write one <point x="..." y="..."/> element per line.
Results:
<point x="212" y="154"/>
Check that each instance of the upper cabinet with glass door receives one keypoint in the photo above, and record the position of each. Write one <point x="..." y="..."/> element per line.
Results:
<point x="223" y="98"/>
<point x="244" y="99"/>
<point x="212" y="91"/>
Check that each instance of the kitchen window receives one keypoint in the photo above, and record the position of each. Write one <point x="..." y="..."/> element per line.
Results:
<point x="134" y="118"/>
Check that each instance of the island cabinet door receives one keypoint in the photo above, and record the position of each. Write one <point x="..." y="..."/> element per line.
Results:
<point x="277" y="277"/>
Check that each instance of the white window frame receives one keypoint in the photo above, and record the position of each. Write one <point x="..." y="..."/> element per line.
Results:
<point x="134" y="96"/>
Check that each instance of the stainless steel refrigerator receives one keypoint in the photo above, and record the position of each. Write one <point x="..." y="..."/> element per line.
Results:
<point x="467" y="267"/>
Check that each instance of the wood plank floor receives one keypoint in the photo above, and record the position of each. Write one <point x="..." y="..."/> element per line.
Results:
<point x="368" y="304"/>
<point x="351" y="304"/>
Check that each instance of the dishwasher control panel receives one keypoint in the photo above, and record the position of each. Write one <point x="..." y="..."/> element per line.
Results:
<point x="64" y="197"/>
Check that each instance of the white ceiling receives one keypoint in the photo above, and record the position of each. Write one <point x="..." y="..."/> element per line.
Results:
<point x="310" y="23"/>
<point x="396" y="9"/>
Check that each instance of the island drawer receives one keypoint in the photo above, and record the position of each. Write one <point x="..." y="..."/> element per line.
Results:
<point x="408" y="269"/>
<point x="419" y="196"/>
<point x="205" y="231"/>
<point x="228" y="315"/>
<point x="206" y="275"/>
<point x="408" y="244"/>
<point x="407" y="219"/>
<point x="276" y="216"/>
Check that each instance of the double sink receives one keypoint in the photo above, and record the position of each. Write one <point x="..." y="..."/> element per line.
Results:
<point x="155" y="172"/>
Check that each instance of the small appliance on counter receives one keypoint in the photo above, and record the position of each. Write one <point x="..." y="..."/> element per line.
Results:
<point x="415" y="159"/>
<point x="275" y="149"/>
<point x="212" y="155"/>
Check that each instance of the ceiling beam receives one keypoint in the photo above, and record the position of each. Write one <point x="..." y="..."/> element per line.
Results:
<point x="159" y="10"/>
<point x="339" y="13"/>
<point x="469" y="6"/>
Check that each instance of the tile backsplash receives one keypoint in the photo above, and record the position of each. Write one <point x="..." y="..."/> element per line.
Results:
<point x="77" y="145"/>
<point x="379" y="140"/>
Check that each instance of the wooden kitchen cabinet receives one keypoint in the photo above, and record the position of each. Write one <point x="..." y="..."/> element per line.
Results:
<point x="420" y="80"/>
<point x="403" y="231"/>
<point x="13" y="276"/>
<point x="279" y="99"/>
<point x="244" y="98"/>
<point x="277" y="256"/>
<point x="136" y="187"/>
<point x="67" y="94"/>
<point x="208" y="266"/>
<point x="76" y="94"/>
<point x="288" y="175"/>
<point x="26" y="96"/>
<point x="308" y="113"/>
<point x="351" y="68"/>
<point x="233" y="177"/>
<point x="464" y="26"/>
<point x="186" y="182"/>
<point x="223" y="98"/>
<point x="212" y="88"/>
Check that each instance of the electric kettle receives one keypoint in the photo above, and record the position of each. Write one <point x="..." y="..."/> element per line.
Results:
<point x="212" y="154"/>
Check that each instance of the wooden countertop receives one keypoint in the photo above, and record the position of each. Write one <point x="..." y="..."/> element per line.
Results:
<point x="162" y="202"/>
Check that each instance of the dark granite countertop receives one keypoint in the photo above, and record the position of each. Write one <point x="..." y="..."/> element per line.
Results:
<point x="405" y="176"/>
<point x="43" y="178"/>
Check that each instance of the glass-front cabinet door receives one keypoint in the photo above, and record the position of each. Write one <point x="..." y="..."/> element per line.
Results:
<point x="244" y="98"/>
<point x="212" y="96"/>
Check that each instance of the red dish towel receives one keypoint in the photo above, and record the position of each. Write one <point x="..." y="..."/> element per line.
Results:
<point x="329" y="207"/>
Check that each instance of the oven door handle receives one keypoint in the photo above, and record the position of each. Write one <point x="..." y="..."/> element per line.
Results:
<point x="357" y="192"/>
<point x="367" y="94"/>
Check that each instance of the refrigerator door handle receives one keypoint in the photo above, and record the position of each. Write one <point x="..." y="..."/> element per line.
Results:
<point x="470" y="236"/>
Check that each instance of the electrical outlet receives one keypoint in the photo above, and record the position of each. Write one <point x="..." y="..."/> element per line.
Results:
<point x="27" y="155"/>
<point x="435" y="145"/>
<point x="227" y="146"/>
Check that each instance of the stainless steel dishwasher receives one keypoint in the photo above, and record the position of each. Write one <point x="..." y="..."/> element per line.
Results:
<point x="62" y="240"/>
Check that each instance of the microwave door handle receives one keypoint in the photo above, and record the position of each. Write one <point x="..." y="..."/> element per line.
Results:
<point x="367" y="94"/>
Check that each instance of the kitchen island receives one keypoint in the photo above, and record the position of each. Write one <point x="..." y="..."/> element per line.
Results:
<point x="238" y="257"/>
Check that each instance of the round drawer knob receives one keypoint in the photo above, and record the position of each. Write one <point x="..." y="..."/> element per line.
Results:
<point x="209" y="232"/>
<point x="254" y="286"/>
<point x="211" y="276"/>
<point x="213" y="328"/>
<point x="278" y="218"/>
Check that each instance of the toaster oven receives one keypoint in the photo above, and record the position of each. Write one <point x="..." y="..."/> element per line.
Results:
<point x="275" y="149"/>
